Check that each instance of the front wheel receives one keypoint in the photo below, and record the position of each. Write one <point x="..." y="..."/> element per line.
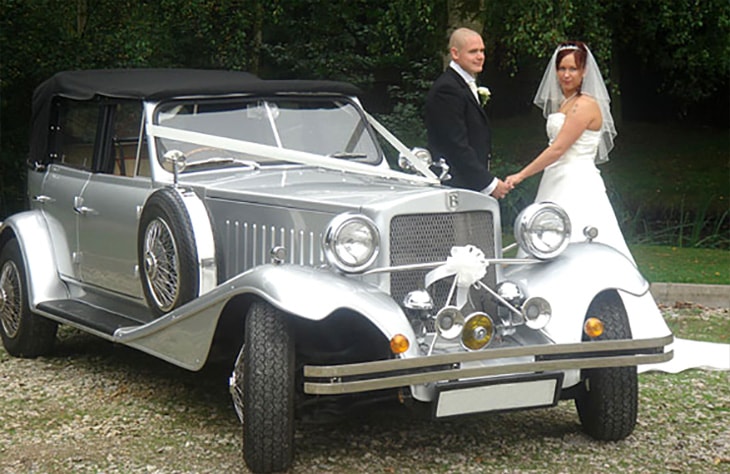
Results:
<point x="263" y="392"/>
<point x="24" y="334"/>
<point x="607" y="403"/>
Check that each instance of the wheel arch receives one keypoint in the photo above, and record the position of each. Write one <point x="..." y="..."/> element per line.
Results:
<point x="572" y="281"/>
<point x="345" y="332"/>
<point x="41" y="268"/>
<point x="315" y="294"/>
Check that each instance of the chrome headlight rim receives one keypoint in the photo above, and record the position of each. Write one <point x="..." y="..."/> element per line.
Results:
<point x="529" y="219"/>
<point x="334" y="232"/>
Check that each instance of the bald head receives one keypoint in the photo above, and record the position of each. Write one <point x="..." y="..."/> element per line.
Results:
<point x="460" y="36"/>
<point x="467" y="50"/>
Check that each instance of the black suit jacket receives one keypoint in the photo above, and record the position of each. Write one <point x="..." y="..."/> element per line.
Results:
<point x="458" y="130"/>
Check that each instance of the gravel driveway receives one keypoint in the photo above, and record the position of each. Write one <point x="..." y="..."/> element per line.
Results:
<point x="96" y="407"/>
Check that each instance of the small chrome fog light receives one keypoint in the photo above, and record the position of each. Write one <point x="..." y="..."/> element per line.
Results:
<point x="278" y="255"/>
<point x="537" y="312"/>
<point x="418" y="300"/>
<point x="478" y="331"/>
<point x="511" y="293"/>
<point x="590" y="233"/>
<point x="449" y="322"/>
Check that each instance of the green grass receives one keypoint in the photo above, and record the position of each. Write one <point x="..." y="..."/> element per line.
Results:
<point x="693" y="322"/>
<point x="683" y="265"/>
<point x="669" y="184"/>
<point x="668" y="264"/>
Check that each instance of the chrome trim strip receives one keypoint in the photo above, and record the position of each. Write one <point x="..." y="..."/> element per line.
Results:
<point x="336" y="387"/>
<point x="455" y="358"/>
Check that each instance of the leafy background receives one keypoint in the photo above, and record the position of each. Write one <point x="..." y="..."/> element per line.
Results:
<point x="667" y="63"/>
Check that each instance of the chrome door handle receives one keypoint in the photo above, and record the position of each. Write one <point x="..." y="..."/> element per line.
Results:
<point x="83" y="210"/>
<point x="41" y="198"/>
<point x="79" y="207"/>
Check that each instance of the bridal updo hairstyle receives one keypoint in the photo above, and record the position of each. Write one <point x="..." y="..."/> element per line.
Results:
<point x="577" y="49"/>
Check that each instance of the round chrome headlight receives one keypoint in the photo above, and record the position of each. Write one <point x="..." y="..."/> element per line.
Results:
<point x="351" y="242"/>
<point x="543" y="230"/>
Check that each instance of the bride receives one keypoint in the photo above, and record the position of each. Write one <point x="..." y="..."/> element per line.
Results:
<point x="575" y="103"/>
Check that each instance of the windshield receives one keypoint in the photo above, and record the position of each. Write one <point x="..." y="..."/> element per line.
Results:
<point x="325" y="126"/>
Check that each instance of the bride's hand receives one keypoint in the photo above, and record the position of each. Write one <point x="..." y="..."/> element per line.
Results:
<point x="513" y="179"/>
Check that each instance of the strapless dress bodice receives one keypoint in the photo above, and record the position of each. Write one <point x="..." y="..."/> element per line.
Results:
<point x="584" y="148"/>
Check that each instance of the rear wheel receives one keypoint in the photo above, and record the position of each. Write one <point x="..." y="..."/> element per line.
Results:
<point x="608" y="400"/>
<point x="263" y="393"/>
<point x="24" y="334"/>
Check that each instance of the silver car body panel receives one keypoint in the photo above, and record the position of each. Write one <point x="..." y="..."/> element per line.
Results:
<point x="41" y="264"/>
<point x="107" y="243"/>
<point x="583" y="270"/>
<point x="304" y="292"/>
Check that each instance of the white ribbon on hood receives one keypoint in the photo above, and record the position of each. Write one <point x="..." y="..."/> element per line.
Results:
<point x="468" y="264"/>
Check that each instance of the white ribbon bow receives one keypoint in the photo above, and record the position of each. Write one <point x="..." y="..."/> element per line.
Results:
<point x="469" y="265"/>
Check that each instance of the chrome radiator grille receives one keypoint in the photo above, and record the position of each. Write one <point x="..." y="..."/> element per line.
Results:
<point x="422" y="238"/>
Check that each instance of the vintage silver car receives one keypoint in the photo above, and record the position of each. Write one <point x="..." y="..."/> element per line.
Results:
<point x="276" y="224"/>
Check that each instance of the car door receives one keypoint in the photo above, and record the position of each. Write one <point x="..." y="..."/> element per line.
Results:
<point x="111" y="204"/>
<point x="73" y="149"/>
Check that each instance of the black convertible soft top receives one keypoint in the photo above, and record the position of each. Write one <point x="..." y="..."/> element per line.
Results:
<point x="155" y="84"/>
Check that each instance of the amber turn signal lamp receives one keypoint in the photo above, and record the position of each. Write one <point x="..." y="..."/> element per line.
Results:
<point x="593" y="327"/>
<point x="399" y="344"/>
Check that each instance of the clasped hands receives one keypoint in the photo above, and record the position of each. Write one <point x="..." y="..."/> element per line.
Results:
<point x="504" y="187"/>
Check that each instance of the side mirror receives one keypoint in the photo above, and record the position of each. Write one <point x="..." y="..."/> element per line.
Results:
<point x="174" y="159"/>
<point x="421" y="154"/>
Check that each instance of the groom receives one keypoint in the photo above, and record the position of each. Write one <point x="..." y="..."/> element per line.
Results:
<point x="456" y="123"/>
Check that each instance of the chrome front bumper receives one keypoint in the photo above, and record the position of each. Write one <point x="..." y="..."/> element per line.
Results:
<point x="377" y="375"/>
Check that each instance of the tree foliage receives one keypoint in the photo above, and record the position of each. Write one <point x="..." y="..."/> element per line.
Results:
<point x="392" y="49"/>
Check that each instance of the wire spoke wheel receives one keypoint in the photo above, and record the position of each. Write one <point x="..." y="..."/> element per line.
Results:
<point x="10" y="298"/>
<point x="24" y="333"/>
<point x="168" y="258"/>
<point x="162" y="264"/>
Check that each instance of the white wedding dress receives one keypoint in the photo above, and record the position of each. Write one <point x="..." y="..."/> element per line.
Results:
<point x="574" y="182"/>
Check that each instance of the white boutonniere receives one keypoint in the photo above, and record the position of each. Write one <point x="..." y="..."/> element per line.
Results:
<point x="484" y="95"/>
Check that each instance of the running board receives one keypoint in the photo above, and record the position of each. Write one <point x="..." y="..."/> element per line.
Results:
<point x="86" y="316"/>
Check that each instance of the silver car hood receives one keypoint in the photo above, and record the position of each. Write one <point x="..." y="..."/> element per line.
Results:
<point x="313" y="188"/>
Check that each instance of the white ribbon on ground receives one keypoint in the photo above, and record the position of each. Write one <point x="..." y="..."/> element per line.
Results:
<point x="693" y="355"/>
<point x="468" y="264"/>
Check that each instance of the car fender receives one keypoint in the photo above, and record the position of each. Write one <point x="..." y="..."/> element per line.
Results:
<point x="303" y="292"/>
<point x="571" y="281"/>
<point x="315" y="293"/>
<point x="34" y="238"/>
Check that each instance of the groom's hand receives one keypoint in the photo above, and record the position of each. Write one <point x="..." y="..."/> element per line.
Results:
<point x="502" y="189"/>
